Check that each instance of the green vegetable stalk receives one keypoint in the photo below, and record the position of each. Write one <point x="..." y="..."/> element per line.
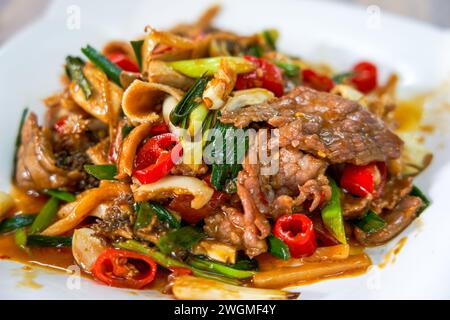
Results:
<point x="112" y="71"/>
<point x="168" y="262"/>
<point x="220" y="268"/>
<point x="370" y="223"/>
<point x="197" y="68"/>
<point x="49" y="241"/>
<point x="18" y="141"/>
<point x="332" y="214"/>
<point x="74" y="69"/>
<point x="189" y="102"/>
<point x="16" y="222"/>
<point x="45" y="216"/>
<point x="137" y="48"/>
<point x="61" y="195"/>
<point x="164" y="215"/>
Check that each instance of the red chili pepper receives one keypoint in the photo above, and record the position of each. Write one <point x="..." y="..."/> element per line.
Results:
<point x="159" y="129"/>
<point x="297" y="231"/>
<point x="316" y="81"/>
<point x="59" y="125"/>
<point x="123" y="62"/>
<point x="363" y="180"/>
<point x="182" y="205"/>
<point x="365" y="77"/>
<point x="266" y="75"/>
<point x="156" y="158"/>
<point x="113" y="267"/>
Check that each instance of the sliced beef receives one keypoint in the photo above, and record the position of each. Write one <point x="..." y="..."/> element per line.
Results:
<point x="397" y="220"/>
<point x="300" y="180"/>
<point x="36" y="164"/>
<point x="394" y="190"/>
<point x="353" y="207"/>
<point x="325" y="125"/>
<point x="233" y="227"/>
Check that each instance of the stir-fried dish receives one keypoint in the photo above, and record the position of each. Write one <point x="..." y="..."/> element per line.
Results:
<point x="208" y="164"/>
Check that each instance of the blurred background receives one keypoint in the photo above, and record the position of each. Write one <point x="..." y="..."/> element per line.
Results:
<point x="15" y="14"/>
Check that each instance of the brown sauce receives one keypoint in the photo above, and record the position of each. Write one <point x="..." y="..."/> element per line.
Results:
<point x="391" y="256"/>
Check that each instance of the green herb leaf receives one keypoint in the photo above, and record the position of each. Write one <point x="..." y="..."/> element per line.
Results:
<point x="144" y="216"/>
<point x="61" y="195"/>
<point x="112" y="70"/>
<point x="49" y="241"/>
<point x="255" y="50"/>
<point x="180" y="239"/>
<point x="126" y="130"/>
<point x="226" y="161"/>
<point x="189" y="102"/>
<point x="101" y="171"/>
<point x="418" y="193"/>
<point x="164" y="215"/>
<point x="74" y="69"/>
<point x="137" y="48"/>
<point x="18" y="141"/>
<point x="16" y="222"/>
<point x="278" y="248"/>
<point x="45" y="216"/>
<point x="289" y="69"/>
<point x="341" y="77"/>
<point x="370" y="223"/>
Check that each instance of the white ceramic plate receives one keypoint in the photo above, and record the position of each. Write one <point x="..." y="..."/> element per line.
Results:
<point x="30" y="65"/>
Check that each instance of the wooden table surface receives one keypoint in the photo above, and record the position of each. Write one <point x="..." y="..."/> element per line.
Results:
<point x="15" y="14"/>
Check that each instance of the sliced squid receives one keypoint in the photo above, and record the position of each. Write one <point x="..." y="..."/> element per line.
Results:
<point x="86" y="248"/>
<point x="88" y="201"/>
<point x="104" y="104"/>
<point x="141" y="99"/>
<point x="175" y="185"/>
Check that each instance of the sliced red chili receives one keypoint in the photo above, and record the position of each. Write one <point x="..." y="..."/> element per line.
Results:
<point x="123" y="62"/>
<point x="266" y="75"/>
<point x="316" y="81"/>
<point x="365" y="77"/>
<point x="363" y="180"/>
<point x="182" y="205"/>
<point x="124" y="269"/>
<point x="59" y="125"/>
<point x="157" y="157"/>
<point x="297" y="231"/>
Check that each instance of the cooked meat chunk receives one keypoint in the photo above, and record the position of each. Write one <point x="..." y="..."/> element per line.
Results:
<point x="397" y="220"/>
<point x="353" y="207"/>
<point x="36" y="164"/>
<point x="233" y="227"/>
<point x="325" y="125"/>
<point x="394" y="190"/>
<point x="300" y="180"/>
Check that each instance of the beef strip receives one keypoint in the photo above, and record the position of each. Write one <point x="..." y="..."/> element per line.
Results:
<point x="300" y="180"/>
<point x="397" y="220"/>
<point x="394" y="190"/>
<point x="353" y="207"/>
<point x="325" y="125"/>
<point x="233" y="227"/>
